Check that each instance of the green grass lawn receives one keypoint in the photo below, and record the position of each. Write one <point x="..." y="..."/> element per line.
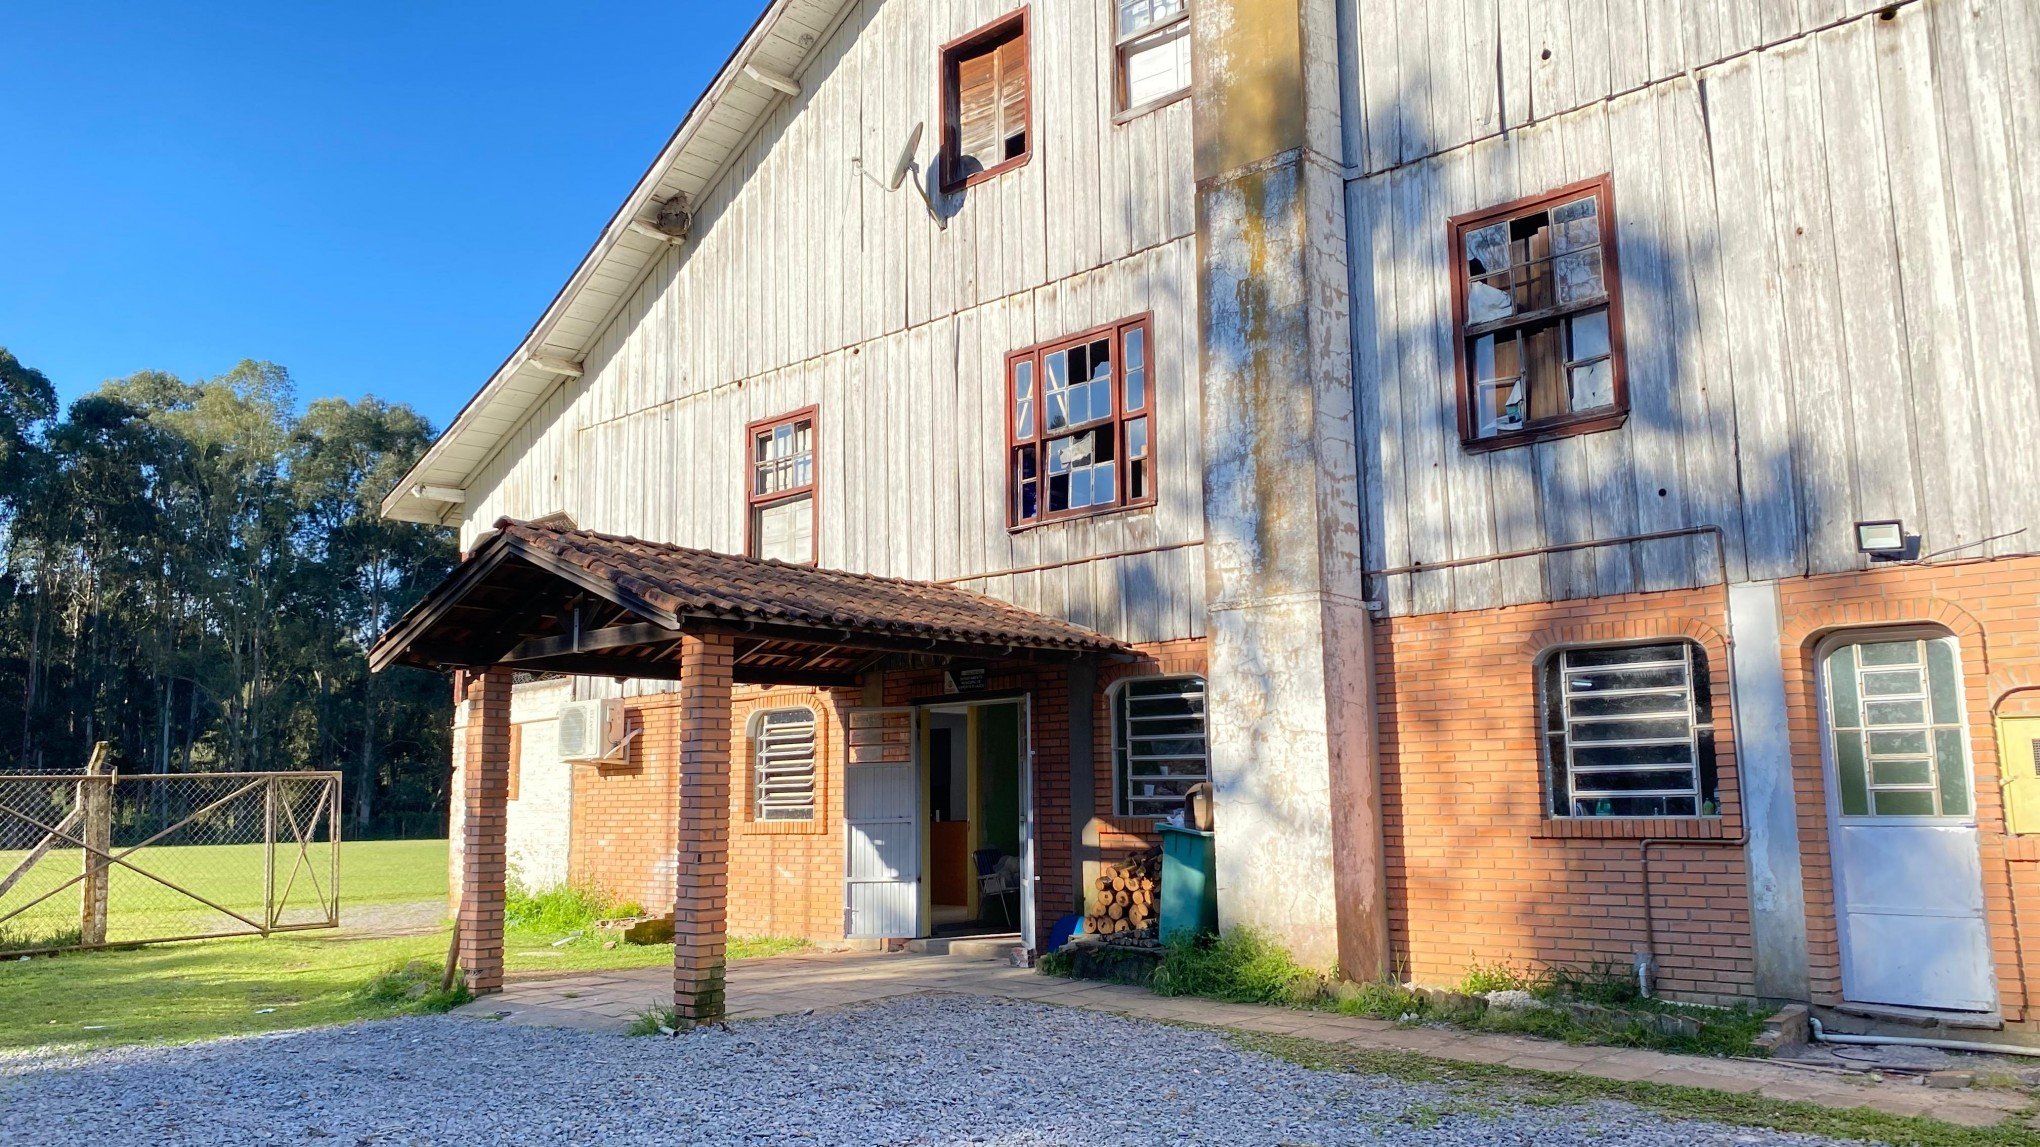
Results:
<point x="177" y="993"/>
<point x="371" y="873"/>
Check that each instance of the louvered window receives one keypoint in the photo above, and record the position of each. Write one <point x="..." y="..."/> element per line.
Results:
<point x="784" y="743"/>
<point x="1158" y="743"/>
<point x="986" y="101"/>
<point x="1629" y="731"/>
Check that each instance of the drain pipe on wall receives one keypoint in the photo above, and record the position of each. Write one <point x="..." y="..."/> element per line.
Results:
<point x="1822" y="1035"/>
<point x="1646" y="960"/>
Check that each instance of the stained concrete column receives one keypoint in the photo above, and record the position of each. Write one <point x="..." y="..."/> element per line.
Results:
<point x="1298" y="805"/>
<point x="702" y="847"/>
<point x="484" y="797"/>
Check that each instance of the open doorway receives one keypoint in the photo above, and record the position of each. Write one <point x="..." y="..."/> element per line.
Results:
<point x="977" y="818"/>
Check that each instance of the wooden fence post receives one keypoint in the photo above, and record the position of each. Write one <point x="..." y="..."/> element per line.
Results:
<point x="95" y="803"/>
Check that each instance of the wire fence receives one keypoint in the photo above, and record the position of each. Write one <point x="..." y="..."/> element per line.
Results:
<point x="91" y="860"/>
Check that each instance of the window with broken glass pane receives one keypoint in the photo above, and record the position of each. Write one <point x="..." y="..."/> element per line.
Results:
<point x="1158" y="743"/>
<point x="1078" y="412"/>
<point x="783" y="750"/>
<point x="1538" y="313"/>
<point x="1153" y="46"/>
<point x="1629" y="731"/>
<point x="782" y="494"/>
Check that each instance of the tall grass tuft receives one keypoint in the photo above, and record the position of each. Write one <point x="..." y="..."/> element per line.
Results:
<point x="562" y="909"/>
<point x="1242" y="965"/>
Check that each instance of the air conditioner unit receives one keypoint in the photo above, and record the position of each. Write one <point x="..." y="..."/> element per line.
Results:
<point x="591" y="730"/>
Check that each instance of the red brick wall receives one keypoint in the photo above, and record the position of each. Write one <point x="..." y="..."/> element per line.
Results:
<point x="1478" y="872"/>
<point x="785" y="879"/>
<point x="1121" y="836"/>
<point x="1993" y="610"/>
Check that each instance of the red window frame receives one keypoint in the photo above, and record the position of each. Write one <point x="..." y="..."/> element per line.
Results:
<point x="1036" y="438"/>
<point x="1014" y="25"/>
<point x="755" y="502"/>
<point x="1602" y="189"/>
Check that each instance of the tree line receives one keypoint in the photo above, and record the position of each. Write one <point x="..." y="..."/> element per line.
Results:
<point x="193" y="571"/>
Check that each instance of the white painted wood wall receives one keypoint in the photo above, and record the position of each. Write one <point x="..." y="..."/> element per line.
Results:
<point x="807" y="283"/>
<point x="1829" y="280"/>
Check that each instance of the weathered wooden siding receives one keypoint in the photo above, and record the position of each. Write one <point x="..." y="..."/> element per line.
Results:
<point x="1828" y="252"/>
<point x="807" y="283"/>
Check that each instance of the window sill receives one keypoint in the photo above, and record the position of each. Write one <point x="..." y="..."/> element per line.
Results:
<point x="814" y="827"/>
<point x="1122" y="118"/>
<point x="1630" y="828"/>
<point x="1103" y="512"/>
<point x="1548" y="432"/>
<point x="977" y="177"/>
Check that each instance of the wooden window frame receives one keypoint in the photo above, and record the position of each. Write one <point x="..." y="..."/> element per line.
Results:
<point x="754" y="502"/>
<point x="1144" y="322"/>
<point x="1016" y="24"/>
<point x="1602" y="187"/>
<point x="1122" y="112"/>
<point x="1703" y="723"/>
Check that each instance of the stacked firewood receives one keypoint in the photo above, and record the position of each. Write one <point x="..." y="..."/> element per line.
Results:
<point x="1129" y="901"/>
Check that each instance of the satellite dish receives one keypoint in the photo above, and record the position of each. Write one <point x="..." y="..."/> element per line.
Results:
<point x="906" y="162"/>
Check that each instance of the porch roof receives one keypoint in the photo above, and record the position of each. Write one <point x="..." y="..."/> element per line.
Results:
<point x="549" y="598"/>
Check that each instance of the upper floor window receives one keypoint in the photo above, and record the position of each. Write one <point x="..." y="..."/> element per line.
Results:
<point x="1153" y="45"/>
<point x="782" y="474"/>
<point x="1538" y="311"/>
<point x="783" y="745"/>
<point x="1157" y="743"/>
<point x="1080" y="427"/>
<point x="1629" y="731"/>
<point x="986" y="101"/>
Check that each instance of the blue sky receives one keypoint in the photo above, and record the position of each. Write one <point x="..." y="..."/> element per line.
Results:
<point x="379" y="196"/>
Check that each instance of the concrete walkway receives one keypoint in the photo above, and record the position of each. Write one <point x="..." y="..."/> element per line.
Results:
<point x="794" y="984"/>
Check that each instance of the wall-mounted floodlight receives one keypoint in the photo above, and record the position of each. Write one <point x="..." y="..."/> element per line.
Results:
<point x="1882" y="540"/>
<point x="907" y="165"/>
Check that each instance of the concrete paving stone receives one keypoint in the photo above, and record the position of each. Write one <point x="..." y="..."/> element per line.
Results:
<point x="1711" y="1081"/>
<point x="1532" y="1061"/>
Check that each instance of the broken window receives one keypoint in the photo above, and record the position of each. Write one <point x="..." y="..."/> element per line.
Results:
<point x="1629" y="731"/>
<point x="1081" y="439"/>
<point x="1538" y="317"/>
<point x="985" y="102"/>
<point x="1153" y="47"/>
<point x="1158" y="743"/>
<point x="783" y="749"/>
<point x="782" y="465"/>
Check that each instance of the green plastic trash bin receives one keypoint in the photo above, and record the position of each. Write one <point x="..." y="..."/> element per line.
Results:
<point x="1189" y="885"/>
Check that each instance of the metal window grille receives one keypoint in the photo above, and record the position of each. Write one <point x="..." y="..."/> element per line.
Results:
<point x="1629" y="731"/>
<point x="784" y="741"/>
<point x="1159" y="744"/>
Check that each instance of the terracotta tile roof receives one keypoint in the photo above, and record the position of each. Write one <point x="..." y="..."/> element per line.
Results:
<point x="682" y="582"/>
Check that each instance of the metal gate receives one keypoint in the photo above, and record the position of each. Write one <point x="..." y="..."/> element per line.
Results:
<point x="90" y="860"/>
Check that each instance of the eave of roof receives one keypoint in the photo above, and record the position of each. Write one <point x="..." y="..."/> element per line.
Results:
<point x="722" y="120"/>
<point x="474" y="616"/>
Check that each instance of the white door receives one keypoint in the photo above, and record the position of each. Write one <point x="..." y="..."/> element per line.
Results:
<point x="1908" y="879"/>
<point x="1028" y="867"/>
<point x="882" y="819"/>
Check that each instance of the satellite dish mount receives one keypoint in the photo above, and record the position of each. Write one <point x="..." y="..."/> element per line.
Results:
<point x="906" y="165"/>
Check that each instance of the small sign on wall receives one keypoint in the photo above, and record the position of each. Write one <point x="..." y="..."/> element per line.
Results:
<point x="964" y="680"/>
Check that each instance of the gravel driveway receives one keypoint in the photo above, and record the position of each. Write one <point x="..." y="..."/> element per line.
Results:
<point x="921" y="1070"/>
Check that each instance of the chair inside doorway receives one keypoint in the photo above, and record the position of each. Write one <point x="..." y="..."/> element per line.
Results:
<point x="974" y="818"/>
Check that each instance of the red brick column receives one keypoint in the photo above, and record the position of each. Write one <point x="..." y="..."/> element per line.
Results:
<point x="485" y="790"/>
<point x="702" y="850"/>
